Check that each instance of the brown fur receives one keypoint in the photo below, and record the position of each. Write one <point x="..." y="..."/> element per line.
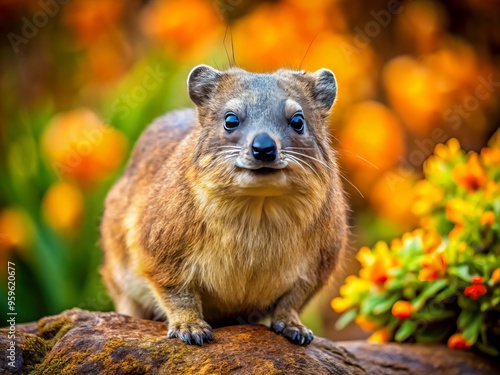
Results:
<point x="183" y="240"/>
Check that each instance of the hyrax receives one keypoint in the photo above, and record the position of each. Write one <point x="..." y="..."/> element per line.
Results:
<point x="230" y="209"/>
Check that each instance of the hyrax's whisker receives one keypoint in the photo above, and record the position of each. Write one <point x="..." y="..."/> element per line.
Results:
<point x="234" y="147"/>
<point x="299" y="160"/>
<point x="295" y="161"/>
<point x="350" y="183"/>
<point x="360" y="157"/>
<point x="298" y="148"/>
<point x="236" y="152"/>
<point x="312" y="158"/>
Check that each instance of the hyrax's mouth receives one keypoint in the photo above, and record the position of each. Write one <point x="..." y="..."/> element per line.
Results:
<point x="264" y="171"/>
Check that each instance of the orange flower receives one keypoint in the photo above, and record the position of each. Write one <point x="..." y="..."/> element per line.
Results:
<point x="393" y="187"/>
<point x="471" y="175"/>
<point x="487" y="218"/>
<point x="432" y="240"/>
<point x="402" y="309"/>
<point x="90" y="20"/>
<point x="62" y="206"/>
<point x="427" y="274"/>
<point x="490" y="156"/>
<point x="434" y="263"/>
<point x="495" y="276"/>
<point x="370" y="117"/>
<point x="365" y="323"/>
<point x="458" y="341"/>
<point x="181" y="25"/>
<point x="15" y="229"/>
<point x="456" y="209"/>
<point x="456" y="232"/>
<point x="79" y="146"/>
<point x="380" y="336"/>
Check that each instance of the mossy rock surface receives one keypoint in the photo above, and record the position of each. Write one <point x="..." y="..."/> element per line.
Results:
<point x="83" y="342"/>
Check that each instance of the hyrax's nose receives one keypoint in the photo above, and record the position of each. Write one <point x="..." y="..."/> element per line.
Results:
<point x="264" y="148"/>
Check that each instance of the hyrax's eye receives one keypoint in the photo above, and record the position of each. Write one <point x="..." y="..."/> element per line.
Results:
<point x="297" y="122"/>
<point x="232" y="121"/>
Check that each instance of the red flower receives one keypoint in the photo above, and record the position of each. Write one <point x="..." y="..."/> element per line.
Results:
<point x="475" y="291"/>
<point x="477" y="280"/>
<point x="458" y="341"/>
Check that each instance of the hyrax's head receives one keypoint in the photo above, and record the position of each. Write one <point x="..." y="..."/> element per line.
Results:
<point x="263" y="134"/>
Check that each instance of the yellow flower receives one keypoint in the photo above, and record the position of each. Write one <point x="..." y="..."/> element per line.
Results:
<point x="380" y="336"/>
<point x="471" y="175"/>
<point x="62" y="206"/>
<point x="456" y="209"/>
<point x="376" y="263"/>
<point x="448" y="151"/>
<point x="428" y="196"/>
<point x="354" y="286"/>
<point x="443" y="153"/>
<point x="339" y="305"/>
<point x="365" y="323"/>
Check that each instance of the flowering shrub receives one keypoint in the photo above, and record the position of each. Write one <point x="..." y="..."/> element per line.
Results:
<point x="442" y="281"/>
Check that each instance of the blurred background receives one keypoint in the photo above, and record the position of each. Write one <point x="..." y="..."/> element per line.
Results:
<point x="80" y="80"/>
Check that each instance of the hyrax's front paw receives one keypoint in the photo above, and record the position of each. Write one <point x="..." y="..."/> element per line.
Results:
<point x="295" y="332"/>
<point x="196" y="332"/>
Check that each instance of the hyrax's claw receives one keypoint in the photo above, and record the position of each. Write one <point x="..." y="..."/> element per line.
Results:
<point x="197" y="332"/>
<point x="295" y="332"/>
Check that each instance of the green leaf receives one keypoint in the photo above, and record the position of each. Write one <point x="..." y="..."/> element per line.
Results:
<point x="384" y="306"/>
<point x="345" y="319"/>
<point x="465" y="318"/>
<point x="432" y="313"/>
<point x="394" y="284"/>
<point x="462" y="272"/>
<point x="467" y="303"/>
<point x="446" y="293"/>
<point x="434" y="334"/>
<point x="429" y="290"/>
<point x="471" y="332"/>
<point x="406" y="330"/>
<point x="371" y="302"/>
<point x="488" y="349"/>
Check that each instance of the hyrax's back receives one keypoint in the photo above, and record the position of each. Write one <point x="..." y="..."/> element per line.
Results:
<point x="235" y="211"/>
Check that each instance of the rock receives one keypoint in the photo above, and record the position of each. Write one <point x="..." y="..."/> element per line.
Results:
<point x="83" y="342"/>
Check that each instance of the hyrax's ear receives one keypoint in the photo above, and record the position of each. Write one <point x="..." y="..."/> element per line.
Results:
<point x="325" y="88"/>
<point x="201" y="83"/>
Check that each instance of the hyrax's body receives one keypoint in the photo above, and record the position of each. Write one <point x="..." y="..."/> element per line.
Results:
<point x="230" y="212"/>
